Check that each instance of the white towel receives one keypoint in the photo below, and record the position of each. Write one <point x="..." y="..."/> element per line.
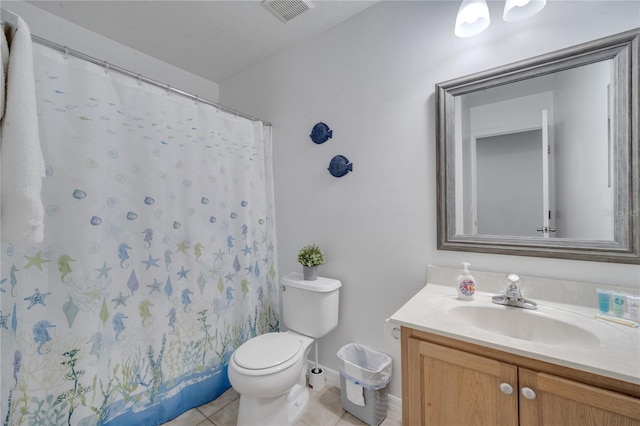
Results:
<point x="355" y="393"/>
<point x="22" y="163"/>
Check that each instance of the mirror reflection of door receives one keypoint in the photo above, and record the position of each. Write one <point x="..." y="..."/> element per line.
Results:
<point x="509" y="166"/>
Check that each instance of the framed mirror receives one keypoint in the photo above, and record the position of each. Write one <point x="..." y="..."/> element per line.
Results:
<point x="540" y="157"/>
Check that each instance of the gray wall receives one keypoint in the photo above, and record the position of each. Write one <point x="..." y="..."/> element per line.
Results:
<point x="372" y="80"/>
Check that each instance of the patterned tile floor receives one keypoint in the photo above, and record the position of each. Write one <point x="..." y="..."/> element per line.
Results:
<point x="324" y="409"/>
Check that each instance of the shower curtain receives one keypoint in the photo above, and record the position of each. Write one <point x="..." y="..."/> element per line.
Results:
<point x="158" y="258"/>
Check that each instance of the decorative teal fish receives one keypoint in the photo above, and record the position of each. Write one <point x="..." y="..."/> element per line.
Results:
<point x="230" y="240"/>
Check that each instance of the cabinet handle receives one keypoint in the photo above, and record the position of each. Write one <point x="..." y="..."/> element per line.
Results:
<point x="528" y="393"/>
<point x="506" y="388"/>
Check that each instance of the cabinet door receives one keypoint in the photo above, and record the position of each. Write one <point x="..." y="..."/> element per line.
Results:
<point x="450" y="387"/>
<point x="551" y="400"/>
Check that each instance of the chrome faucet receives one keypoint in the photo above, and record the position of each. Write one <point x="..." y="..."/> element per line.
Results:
<point x="513" y="295"/>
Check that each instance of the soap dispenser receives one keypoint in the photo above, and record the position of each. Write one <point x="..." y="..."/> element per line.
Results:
<point x="465" y="284"/>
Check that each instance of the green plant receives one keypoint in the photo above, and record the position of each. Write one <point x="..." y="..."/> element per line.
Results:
<point x="311" y="255"/>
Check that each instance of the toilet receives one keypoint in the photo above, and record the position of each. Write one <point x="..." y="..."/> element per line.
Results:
<point x="269" y="370"/>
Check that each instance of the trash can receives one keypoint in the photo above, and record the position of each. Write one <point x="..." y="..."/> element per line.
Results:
<point x="364" y="377"/>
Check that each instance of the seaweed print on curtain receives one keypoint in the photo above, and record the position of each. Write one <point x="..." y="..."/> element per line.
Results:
<point x="158" y="258"/>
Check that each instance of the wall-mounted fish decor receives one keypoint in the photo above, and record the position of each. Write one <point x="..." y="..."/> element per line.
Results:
<point x="340" y="166"/>
<point x="321" y="133"/>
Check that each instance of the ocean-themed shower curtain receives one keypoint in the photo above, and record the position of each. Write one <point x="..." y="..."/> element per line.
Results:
<point x="158" y="258"/>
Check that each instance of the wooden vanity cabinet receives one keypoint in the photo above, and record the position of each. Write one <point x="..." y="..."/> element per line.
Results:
<point x="450" y="382"/>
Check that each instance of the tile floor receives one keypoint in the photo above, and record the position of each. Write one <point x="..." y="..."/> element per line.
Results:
<point x="324" y="409"/>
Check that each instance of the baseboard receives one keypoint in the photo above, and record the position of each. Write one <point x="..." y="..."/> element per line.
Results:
<point x="394" y="407"/>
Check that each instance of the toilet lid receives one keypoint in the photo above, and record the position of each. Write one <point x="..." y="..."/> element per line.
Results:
<point x="267" y="350"/>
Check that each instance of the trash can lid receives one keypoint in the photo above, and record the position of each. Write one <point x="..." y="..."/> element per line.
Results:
<point x="266" y="351"/>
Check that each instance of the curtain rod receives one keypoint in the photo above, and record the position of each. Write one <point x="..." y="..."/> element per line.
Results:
<point x="67" y="51"/>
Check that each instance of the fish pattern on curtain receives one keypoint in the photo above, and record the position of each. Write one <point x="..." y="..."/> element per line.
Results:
<point x="158" y="258"/>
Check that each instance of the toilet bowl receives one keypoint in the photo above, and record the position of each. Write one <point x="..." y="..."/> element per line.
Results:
<point x="269" y="373"/>
<point x="269" y="370"/>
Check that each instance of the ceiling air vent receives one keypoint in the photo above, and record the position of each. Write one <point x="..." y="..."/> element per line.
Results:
<point x="286" y="10"/>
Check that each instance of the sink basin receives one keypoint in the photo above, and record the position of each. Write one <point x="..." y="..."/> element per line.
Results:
<point x="538" y="326"/>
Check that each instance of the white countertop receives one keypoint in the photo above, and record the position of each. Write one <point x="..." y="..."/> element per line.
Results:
<point x="617" y="355"/>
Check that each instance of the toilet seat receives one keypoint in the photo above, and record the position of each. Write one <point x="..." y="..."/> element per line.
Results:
<point x="263" y="353"/>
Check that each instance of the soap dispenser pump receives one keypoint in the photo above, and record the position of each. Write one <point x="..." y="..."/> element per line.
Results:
<point x="466" y="284"/>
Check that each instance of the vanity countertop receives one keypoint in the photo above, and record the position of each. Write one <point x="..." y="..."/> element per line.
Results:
<point x="617" y="355"/>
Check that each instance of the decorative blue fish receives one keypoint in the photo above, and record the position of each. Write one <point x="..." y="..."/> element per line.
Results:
<point x="118" y="325"/>
<point x="41" y="335"/>
<point x="321" y="133"/>
<point x="340" y="166"/>
<point x="244" y="230"/>
<point x="230" y="242"/>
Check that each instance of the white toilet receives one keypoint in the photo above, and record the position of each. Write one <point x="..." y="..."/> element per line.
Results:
<point x="269" y="371"/>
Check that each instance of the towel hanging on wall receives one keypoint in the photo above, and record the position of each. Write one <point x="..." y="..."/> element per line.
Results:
<point x="22" y="164"/>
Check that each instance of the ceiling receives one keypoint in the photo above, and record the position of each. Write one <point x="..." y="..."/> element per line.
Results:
<point x="212" y="39"/>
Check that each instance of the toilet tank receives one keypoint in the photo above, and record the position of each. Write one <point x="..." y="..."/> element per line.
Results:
<point x="309" y="307"/>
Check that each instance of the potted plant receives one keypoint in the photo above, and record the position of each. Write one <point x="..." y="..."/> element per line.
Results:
<point x="310" y="257"/>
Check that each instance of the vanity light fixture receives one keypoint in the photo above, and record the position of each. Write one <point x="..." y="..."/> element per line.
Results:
<point x="473" y="15"/>
<point x="473" y="18"/>
<point x="517" y="10"/>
